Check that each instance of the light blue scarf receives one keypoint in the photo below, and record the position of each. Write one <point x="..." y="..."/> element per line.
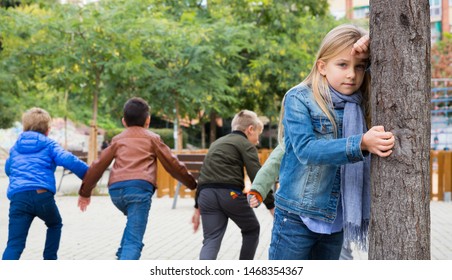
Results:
<point x="355" y="177"/>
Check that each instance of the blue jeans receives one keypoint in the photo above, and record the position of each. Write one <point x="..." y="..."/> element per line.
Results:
<point x="292" y="240"/>
<point x="24" y="207"/>
<point x="134" y="201"/>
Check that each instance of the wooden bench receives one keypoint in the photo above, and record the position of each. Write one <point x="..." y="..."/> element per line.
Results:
<point x="193" y="162"/>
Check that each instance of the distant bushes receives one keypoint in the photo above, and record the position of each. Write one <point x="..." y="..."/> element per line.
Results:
<point x="165" y="133"/>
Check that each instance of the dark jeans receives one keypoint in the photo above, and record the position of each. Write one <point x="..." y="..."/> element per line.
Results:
<point x="134" y="201"/>
<point x="216" y="207"/>
<point x="24" y="207"/>
<point x="292" y="240"/>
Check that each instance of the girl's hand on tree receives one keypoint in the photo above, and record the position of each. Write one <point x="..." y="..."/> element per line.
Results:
<point x="361" y="47"/>
<point x="378" y="141"/>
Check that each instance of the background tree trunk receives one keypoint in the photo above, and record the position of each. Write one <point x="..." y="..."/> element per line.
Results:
<point x="400" y="101"/>
<point x="213" y="127"/>
<point x="92" y="145"/>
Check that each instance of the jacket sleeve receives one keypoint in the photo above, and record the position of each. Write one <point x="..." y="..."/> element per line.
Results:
<point x="96" y="170"/>
<point x="174" y="167"/>
<point x="301" y="130"/>
<point x="69" y="161"/>
<point x="269" y="173"/>
<point x="8" y="166"/>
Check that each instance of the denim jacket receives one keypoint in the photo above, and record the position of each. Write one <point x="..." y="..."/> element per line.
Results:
<point x="310" y="173"/>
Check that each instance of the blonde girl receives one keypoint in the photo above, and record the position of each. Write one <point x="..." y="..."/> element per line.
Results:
<point x="325" y="170"/>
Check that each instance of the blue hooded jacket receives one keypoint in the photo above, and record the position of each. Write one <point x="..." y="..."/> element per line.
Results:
<point x="32" y="162"/>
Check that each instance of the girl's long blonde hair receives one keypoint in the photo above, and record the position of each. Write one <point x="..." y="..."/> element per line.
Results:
<point x="337" y="40"/>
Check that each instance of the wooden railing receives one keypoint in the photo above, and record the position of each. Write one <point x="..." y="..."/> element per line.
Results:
<point x="440" y="170"/>
<point x="167" y="184"/>
<point x="441" y="175"/>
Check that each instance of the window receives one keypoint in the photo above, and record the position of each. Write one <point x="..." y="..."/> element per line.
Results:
<point x="361" y="12"/>
<point x="435" y="8"/>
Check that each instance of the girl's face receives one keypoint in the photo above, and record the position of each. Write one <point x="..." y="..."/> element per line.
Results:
<point x="344" y="72"/>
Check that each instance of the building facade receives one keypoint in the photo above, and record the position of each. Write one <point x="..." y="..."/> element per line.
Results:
<point x="440" y="14"/>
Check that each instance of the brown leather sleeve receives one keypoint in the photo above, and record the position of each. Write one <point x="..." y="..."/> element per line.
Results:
<point x="96" y="170"/>
<point x="174" y="167"/>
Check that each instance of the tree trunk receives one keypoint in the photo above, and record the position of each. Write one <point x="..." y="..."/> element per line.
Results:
<point x="178" y="141"/>
<point x="203" y="129"/>
<point x="400" y="101"/>
<point x="92" y="145"/>
<point x="213" y="126"/>
<point x="270" y="133"/>
<point x="180" y="136"/>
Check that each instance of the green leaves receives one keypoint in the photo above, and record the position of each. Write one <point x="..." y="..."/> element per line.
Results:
<point x="220" y="58"/>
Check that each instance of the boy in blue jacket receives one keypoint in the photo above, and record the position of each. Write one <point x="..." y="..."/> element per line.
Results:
<point x="30" y="167"/>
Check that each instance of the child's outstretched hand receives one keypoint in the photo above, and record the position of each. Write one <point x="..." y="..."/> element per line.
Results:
<point x="196" y="220"/>
<point x="83" y="202"/>
<point x="378" y="141"/>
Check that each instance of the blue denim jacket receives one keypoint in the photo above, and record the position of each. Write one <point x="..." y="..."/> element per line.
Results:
<point x="310" y="173"/>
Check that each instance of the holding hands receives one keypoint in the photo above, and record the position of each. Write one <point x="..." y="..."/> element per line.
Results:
<point x="253" y="200"/>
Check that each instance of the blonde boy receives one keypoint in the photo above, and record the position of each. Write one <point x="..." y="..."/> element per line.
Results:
<point x="221" y="183"/>
<point x="31" y="167"/>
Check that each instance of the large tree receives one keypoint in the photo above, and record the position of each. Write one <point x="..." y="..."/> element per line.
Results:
<point x="400" y="46"/>
<point x="20" y="67"/>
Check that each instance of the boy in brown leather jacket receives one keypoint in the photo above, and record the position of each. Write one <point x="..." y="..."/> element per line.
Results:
<point x="133" y="177"/>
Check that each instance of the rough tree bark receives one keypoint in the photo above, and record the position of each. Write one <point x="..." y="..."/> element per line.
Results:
<point x="400" y="50"/>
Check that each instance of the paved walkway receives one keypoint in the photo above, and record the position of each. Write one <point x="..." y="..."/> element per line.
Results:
<point x="95" y="234"/>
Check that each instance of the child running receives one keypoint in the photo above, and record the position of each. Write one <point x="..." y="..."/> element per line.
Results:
<point x="133" y="177"/>
<point x="31" y="170"/>
<point x="220" y="194"/>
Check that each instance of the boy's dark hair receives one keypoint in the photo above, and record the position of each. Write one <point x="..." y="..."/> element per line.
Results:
<point x="136" y="111"/>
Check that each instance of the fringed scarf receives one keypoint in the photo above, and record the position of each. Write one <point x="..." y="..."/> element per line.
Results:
<point x="355" y="177"/>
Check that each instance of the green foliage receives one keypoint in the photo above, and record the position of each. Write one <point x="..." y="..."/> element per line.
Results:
<point x="111" y="132"/>
<point x="167" y="136"/>
<point x="9" y="3"/>
<point x="230" y="55"/>
<point x="165" y="133"/>
<point x="16" y="3"/>
<point x="285" y="38"/>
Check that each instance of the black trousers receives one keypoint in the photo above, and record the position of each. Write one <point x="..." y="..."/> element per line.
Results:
<point x="217" y="206"/>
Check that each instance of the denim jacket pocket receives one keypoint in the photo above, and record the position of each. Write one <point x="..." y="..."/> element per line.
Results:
<point x="322" y="126"/>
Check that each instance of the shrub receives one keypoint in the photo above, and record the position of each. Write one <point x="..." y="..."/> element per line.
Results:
<point x="165" y="133"/>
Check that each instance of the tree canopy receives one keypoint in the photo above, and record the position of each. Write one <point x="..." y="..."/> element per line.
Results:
<point x="220" y="57"/>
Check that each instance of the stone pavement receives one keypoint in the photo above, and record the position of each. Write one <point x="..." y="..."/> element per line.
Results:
<point x="95" y="234"/>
